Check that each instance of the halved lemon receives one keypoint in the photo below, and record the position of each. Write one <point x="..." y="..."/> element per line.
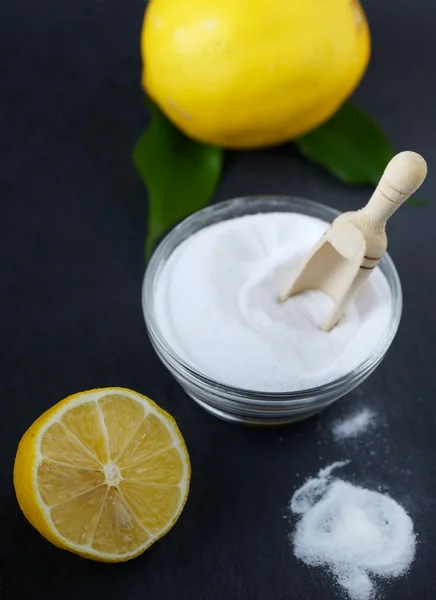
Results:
<point x="103" y="473"/>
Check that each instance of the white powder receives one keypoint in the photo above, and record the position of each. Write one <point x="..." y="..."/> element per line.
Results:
<point x="352" y="531"/>
<point x="354" y="425"/>
<point x="216" y="305"/>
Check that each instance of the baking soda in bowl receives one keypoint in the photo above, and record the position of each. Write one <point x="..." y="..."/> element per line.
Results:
<point x="216" y="305"/>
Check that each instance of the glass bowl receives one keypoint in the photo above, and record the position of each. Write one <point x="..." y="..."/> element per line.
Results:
<point x="243" y="405"/>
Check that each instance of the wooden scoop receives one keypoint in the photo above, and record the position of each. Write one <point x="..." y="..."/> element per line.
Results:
<point x="353" y="245"/>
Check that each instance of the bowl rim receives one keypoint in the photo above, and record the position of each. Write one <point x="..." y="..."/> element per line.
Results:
<point x="257" y="397"/>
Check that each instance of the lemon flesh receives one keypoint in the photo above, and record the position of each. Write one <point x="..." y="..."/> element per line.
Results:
<point x="103" y="473"/>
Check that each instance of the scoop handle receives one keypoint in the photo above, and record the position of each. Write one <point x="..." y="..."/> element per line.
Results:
<point x="403" y="175"/>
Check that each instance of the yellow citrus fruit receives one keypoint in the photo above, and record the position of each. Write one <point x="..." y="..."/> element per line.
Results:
<point x="104" y="474"/>
<point x="251" y="73"/>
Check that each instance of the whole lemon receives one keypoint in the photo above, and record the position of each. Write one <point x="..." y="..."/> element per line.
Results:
<point x="251" y="73"/>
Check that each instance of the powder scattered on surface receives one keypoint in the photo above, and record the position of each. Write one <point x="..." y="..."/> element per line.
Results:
<point x="354" y="425"/>
<point x="216" y="306"/>
<point x="354" y="532"/>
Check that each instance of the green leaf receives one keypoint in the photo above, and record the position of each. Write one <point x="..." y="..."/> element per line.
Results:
<point x="180" y="174"/>
<point x="414" y="201"/>
<point x="351" y="146"/>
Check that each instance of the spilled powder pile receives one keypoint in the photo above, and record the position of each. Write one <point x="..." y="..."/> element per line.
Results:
<point x="354" y="425"/>
<point x="352" y="531"/>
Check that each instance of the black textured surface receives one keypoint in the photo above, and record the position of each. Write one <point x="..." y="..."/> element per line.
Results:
<point x="72" y="215"/>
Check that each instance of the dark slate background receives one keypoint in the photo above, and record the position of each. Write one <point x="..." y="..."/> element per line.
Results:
<point x="72" y="223"/>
